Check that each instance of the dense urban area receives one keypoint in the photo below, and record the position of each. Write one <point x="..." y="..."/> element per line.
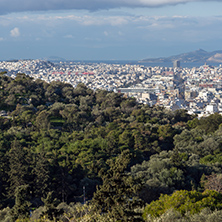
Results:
<point x="197" y="89"/>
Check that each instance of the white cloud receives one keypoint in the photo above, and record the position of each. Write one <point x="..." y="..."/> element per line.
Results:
<point x="105" y="33"/>
<point x="68" y="36"/>
<point x="54" y="22"/>
<point x="15" y="32"/>
<point x="1" y="39"/>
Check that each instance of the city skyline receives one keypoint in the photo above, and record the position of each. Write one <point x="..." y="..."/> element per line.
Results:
<point x="119" y="30"/>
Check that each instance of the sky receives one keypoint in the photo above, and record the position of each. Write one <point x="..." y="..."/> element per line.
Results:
<point x="108" y="29"/>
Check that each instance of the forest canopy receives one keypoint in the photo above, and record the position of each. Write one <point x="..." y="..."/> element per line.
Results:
<point x="65" y="150"/>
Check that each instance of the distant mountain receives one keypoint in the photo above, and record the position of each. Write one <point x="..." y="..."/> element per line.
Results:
<point x="55" y="59"/>
<point x="199" y="55"/>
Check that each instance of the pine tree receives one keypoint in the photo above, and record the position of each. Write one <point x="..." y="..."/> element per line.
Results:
<point x="19" y="167"/>
<point x="41" y="172"/>
<point x="22" y="204"/>
<point x="51" y="212"/>
<point x="116" y="196"/>
<point x="63" y="182"/>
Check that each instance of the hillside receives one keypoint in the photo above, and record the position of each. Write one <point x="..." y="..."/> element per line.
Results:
<point x="200" y="56"/>
<point x="74" y="154"/>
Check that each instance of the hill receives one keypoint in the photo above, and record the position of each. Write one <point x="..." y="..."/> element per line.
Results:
<point x="199" y="55"/>
<point x="74" y="154"/>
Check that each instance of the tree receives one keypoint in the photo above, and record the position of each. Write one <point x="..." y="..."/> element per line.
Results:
<point x="41" y="173"/>
<point x="159" y="175"/>
<point x="116" y="196"/>
<point x="22" y="204"/>
<point x="184" y="202"/>
<point x="51" y="212"/>
<point x="19" y="167"/>
<point x="126" y="138"/>
<point x="42" y="120"/>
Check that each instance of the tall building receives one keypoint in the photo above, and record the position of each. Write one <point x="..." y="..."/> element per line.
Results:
<point x="176" y="64"/>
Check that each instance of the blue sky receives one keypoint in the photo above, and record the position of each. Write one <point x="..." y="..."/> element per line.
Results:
<point x="108" y="29"/>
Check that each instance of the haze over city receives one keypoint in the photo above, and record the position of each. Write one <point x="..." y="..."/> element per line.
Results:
<point x="111" y="29"/>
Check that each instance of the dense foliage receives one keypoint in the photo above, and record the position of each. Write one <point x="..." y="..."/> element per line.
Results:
<point x="184" y="201"/>
<point x="61" y="145"/>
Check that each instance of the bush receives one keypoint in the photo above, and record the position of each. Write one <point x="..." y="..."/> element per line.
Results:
<point x="184" y="202"/>
<point x="206" y="215"/>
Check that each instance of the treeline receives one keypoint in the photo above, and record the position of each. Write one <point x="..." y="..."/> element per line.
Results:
<point x="61" y="147"/>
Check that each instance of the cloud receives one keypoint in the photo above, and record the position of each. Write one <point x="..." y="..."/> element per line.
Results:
<point x="15" y="32"/>
<point x="1" y="39"/>
<point x="69" y="36"/>
<point x="8" y="6"/>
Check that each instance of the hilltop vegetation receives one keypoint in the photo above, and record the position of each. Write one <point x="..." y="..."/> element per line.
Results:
<point x="62" y="146"/>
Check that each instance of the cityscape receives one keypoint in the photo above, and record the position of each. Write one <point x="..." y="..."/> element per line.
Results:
<point x="110" y="111"/>
<point x="197" y="90"/>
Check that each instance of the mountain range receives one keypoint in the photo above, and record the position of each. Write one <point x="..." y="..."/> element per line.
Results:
<point x="199" y="55"/>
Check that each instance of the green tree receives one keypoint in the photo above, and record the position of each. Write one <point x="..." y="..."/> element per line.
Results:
<point x="184" y="201"/>
<point x="42" y="120"/>
<point x="22" y="204"/>
<point x="50" y="204"/>
<point x="41" y="172"/>
<point x="159" y="175"/>
<point x="117" y="195"/>
<point x="19" y="167"/>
